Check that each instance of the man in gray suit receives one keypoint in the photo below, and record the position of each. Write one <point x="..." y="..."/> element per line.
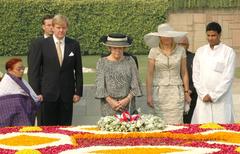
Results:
<point x="55" y="73"/>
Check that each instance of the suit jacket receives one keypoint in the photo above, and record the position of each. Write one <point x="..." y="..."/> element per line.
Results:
<point x="48" y="78"/>
<point x="190" y="57"/>
<point x="32" y="48"/>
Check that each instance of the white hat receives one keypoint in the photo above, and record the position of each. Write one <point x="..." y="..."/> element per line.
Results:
<point x="165" y="30"/>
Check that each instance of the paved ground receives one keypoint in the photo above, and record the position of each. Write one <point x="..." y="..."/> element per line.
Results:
<point x="87" y="111"/>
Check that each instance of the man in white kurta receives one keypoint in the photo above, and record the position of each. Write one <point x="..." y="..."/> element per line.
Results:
<point x="213" y="73"/>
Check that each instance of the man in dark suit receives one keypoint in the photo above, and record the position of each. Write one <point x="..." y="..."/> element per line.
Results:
<point x="47" y="32"/>
<point x="193" y="93"/>
<point x="55" y="73"/>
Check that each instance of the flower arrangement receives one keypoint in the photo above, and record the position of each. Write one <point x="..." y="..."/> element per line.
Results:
<point x="131" y="123"/>
<point x="182" y="138"/>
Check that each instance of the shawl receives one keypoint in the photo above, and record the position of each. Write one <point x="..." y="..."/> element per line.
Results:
<point x="18" y="102"/>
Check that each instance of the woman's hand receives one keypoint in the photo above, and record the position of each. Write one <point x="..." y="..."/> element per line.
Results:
<point x="150" y="101"/>
<point x="187" y="97"/>
<point x="40" y="98"/>
<point x="113" y="103"/>
<point x="124" y="102"/>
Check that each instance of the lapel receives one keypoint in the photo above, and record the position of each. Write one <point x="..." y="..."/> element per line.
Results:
<point x="54" y="50"/>
<point x="66" y="50"/>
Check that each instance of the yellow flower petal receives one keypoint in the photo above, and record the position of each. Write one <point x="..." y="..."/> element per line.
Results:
<point x="138" y="150"/>
<point x="30" y="129"/>
<point x="26" y="140"/>
<point x="91" y="128"/>
<point x="211" y="126"/>
<point x="221" y="136"/>
<point x="237" y="149"/>
<point x="74" y="142"/>
<point x="28" y="151"/>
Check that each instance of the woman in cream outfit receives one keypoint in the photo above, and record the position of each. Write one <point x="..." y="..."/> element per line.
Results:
<point x="167" y="76"/>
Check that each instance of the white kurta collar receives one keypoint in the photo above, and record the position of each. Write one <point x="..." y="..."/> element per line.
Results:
<point x="215" y="46"/>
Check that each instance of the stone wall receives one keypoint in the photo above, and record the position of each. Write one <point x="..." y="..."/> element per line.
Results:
<point x="195" y="21"/>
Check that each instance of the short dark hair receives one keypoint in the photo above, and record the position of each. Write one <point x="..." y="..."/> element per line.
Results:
<point x="214" y="26"/>
<point x="46" y="17"/>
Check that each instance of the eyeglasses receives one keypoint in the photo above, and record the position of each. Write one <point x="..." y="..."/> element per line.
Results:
<point x="20" y="68"/>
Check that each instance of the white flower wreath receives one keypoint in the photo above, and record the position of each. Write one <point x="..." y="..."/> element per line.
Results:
<point x="145" y="122"/>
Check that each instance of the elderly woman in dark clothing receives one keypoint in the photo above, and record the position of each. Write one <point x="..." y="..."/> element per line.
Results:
<point x="117" y="81"/>
<point x="18" y="102"/>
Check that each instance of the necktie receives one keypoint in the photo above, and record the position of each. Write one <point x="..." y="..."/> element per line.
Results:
<point x="59" y="52"/>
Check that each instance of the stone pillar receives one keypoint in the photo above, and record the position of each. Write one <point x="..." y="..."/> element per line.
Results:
<point x="195" y="21"/>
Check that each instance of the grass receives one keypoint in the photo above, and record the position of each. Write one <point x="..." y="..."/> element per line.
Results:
<point x="237" y="72"/>
<point x="90" y="62"/>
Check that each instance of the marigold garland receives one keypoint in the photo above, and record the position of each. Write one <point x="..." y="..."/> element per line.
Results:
<point x="30" y="129"/>
<point x="137" y="150"/>
<point x="28" y="151"/>
<point x="230" y="137"/>
<point x="237" y="149"/>
<point x="211" y="126"/>
<point x="91" y="128"/>
<point x="222" y="137"/>
<point x="26" y="140"/>
<point x="74" y="142"/>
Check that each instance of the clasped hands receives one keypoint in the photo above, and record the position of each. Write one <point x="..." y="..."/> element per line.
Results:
<point x="118" y="105"/>
<point x="207" y="99"/>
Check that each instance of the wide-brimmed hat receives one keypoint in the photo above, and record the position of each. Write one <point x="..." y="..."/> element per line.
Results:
<point x="116" y="40"/>
<point x="164" y="30"/>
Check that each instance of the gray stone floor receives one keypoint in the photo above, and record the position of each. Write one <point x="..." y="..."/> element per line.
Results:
<point x="87" y="111"/>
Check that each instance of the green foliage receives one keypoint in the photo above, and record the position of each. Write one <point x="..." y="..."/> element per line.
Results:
<point x="237" y="72"/>
<point x="201" y="4"/>
<point x="89" y="20"/>
<point x="90" y="62"/>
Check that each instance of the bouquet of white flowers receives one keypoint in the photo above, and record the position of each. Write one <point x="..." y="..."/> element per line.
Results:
<point x="131" y="123"/>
